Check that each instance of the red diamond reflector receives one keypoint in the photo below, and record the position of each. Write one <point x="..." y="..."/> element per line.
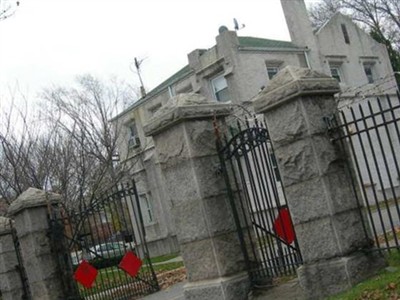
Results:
<point x="130" y="263"/>
<point x="85" y="274"/>
<point x="283" y="226"/>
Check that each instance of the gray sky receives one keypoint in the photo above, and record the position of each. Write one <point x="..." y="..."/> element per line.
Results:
<point x="51" y="41"/>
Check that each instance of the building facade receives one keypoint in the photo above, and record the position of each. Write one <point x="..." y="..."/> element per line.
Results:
<point x="234" y="71"/>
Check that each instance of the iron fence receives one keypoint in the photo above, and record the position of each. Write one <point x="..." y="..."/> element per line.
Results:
<point x="369" y="136"/>
<point x="97" y="238"/>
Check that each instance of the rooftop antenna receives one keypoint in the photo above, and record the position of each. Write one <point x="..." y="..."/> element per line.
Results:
<point x="237" y="26"/>
<point x="7" y="9"/>
<point x="137" y="67"/>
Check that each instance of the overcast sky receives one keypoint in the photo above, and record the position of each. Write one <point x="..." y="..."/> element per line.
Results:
<point x="51" y="41"/>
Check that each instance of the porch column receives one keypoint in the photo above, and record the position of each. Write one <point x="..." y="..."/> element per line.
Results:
<point x="184" y="140"/>
<point x="30" y="213"/>
<point x="322" y="204"/>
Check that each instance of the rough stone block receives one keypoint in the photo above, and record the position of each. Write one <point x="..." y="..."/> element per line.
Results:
<point x="326" y="154"/>
<point x="172" y="144"/>
<point x="340" y="193"/>
<point x="181" y="182"/>
<point x="209" y="291"/>
<point x="297" y="162"/>
<point x="287" y="124"/>
<point x="12" y="295"/>
<point x="199" y="260"/>
<point x="219" y="216"/>
<point x="190" y="221"/>
<point x="32" y="198"/>
<point x="8" y="261"/>
<point x="40" y="268"/>
<point x="47" y="290"/>
<point x="36" y="244"/>
<point x="316" y="108"/>
<point x="308" y="200"/>
<point x="228" y="254"/>
<point x="317" y="240"/>
<point x="349" y="231"/>
<point x="326" y="278"/>
<point x="226" y="288"/>
<point x="30" y="221"/>
<point x="194" y="179"/>
<point x="209" y="180"/>
<point x="200" y="136"/>
<point x="6" y="243"/>
<point x="10" y="281"/>
<point x="363" y="265"/>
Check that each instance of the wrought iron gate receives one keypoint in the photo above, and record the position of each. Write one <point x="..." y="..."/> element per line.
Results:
<point x="102" y="246"/>
<point x="258" y="201"/>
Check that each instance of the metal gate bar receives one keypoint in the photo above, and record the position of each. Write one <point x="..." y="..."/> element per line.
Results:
<point x="369" y="137"/>
<point x="257" y="199"/>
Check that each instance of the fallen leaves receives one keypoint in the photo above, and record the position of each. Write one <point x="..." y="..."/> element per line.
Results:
<point x="169" y="278"/>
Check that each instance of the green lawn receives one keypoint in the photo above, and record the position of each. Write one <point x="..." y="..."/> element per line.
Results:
<point x="163" y="258"/>
<point x="385" y="285"/>
<point x="109" y="278"/>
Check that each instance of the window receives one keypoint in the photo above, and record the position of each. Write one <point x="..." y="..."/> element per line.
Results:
<point x="345" y="34"/>
<point x="146" y="209"/>
<point x="220" y="88"/>
<point x="133" y="139"/>
<point x="272" y="71"/>
<point x="369" y="72"/>
<point x="336" y="73"/>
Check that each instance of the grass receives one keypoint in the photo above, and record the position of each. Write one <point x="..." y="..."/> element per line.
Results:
<point x="385" y="285"/>
<point x="111" y="277"/>
<point x="163" y="258"/>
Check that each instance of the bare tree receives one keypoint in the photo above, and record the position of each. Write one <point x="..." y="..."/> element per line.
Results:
<point x="81" y="116"/>
<point x="25" y="153"/>
<point x="70" y="147"/>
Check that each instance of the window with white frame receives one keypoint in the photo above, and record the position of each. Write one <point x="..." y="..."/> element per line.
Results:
<point x="133" y="137"/>
<point x="336" y="72"/>
<point x="146" y="209"/>
<point x="220" y="88"/>
<point x="369" y="72"/>
<point x="272" y="71"/>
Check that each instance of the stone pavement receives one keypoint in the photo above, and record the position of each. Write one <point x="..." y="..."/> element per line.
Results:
<point x="287" y="291"/>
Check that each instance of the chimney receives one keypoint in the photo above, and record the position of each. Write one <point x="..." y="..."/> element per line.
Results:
<point x="301" y="32"/>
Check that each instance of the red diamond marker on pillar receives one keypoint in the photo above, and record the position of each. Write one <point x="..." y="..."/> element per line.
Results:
<point x="85" y="274"/>
<point x="130" y="263"/>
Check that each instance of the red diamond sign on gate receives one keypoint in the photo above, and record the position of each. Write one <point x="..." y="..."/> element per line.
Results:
<point x="130" y="263"/>
<point x="283" y="226"/>
<point x="85" y="274"/>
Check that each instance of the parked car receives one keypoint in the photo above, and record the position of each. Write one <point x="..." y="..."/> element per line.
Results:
<point x="108" y="250"/>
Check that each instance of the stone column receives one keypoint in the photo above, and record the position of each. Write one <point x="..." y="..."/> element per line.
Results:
<point x="10" y="280"/>
<point x="322" y="204"/>
<point x="30" y="213"/>
<point x="185" y="144"/>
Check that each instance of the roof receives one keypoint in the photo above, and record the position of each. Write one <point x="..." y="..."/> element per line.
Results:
<point x="248" y="41"/>
<point x="182" y="73"/>
<point x="244" y="41"/>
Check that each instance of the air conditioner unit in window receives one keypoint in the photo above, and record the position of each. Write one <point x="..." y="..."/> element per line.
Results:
<point x="134" y="142"/>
